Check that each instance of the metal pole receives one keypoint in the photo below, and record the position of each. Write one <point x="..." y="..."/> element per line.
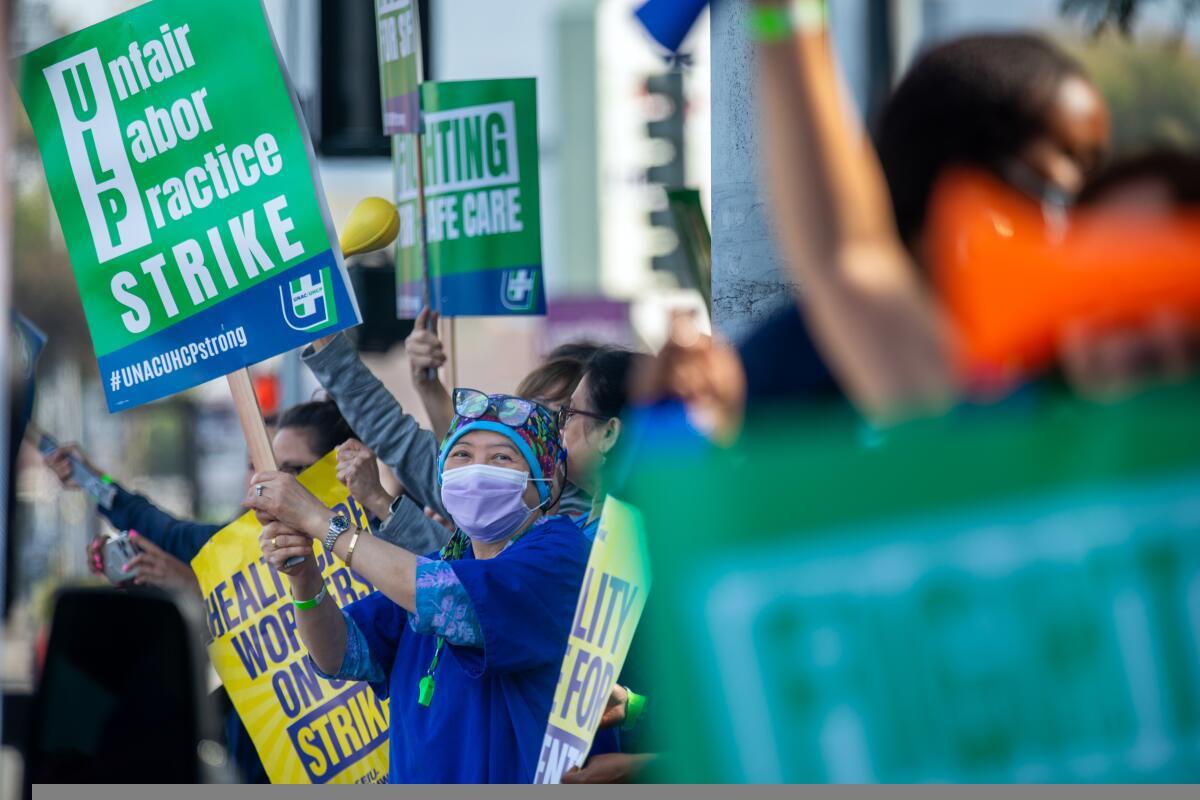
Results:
<point x="749" y="279"/>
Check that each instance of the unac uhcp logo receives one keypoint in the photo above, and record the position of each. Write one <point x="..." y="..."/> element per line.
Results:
<point x="518" y="290"/>
<point x="309" y="301"/>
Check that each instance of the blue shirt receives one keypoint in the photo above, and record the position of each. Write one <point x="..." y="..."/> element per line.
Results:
<point x="588" y="529"/>
<point x="782" y="363"/>
<point x="491" y="704"/>
<point x="180" y="537"/>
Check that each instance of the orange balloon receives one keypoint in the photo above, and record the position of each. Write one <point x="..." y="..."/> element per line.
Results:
<point x="1013" y="278"/>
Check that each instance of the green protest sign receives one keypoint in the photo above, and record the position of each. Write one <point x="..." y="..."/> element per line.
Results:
<point x="399" y="31"/>
<point x="185" y="185"/>
<point x="483" y="213"/>
<point x="1002" y="595"/>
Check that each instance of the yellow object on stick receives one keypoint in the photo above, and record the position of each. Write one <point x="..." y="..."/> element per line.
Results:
<point x="372" y="225"/>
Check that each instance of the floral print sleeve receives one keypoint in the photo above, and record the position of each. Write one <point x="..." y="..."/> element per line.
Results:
<point x="357" y="664"/>
<point x="443" y="606"/>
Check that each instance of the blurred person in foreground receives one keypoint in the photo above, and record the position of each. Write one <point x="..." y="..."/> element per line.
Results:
<point x="1012" y="104"/>
<point x="1158" y="182"/>
<point x="856" y="233"/>
<point x="466" y="643"/>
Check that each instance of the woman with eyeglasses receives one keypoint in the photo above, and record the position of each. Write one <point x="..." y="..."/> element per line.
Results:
<point x="409" y="450"/>
<point x="467" y="643"/>
<point x="591" y="427"/>
<point x="591" y="423"/>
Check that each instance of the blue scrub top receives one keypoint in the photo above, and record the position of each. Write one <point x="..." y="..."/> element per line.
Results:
<point x="490" y="707"/>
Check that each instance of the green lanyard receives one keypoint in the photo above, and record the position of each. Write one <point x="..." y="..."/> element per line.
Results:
<point x="427" y="684"/>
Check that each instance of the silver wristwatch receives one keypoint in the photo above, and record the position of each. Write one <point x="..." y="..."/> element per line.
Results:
<point x="337" y="526"/>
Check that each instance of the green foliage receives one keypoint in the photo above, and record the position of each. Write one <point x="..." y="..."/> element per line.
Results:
<point x="1122" y="14"/>
<point x="1152" y="87"/>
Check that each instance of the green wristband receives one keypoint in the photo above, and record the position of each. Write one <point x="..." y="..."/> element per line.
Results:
<point x="634" y="708"/>
<point x="106" y="478"/>
<point x="769" y="23"/>
<point x="776" y="23"/>
<point x="304" y="605"/>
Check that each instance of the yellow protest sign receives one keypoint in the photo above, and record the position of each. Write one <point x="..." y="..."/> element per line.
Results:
<point x="610" y="604"/>
<point x="306" y="729"/>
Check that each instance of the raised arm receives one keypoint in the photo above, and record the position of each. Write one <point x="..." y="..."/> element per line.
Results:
<point x="425" y="356"/>
<point x="391" y="569"/>
<point x="127" y="511"/>
<point x="377" y="417"/>
<point x="875" y="323"/>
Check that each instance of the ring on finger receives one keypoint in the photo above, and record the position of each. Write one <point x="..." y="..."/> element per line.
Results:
<point x="258" y="490"/>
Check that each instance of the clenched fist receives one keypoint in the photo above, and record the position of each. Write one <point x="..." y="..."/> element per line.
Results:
<point x="358" y="470"/>
<point x="425" y="352"/>
<point x="279" y="497"/>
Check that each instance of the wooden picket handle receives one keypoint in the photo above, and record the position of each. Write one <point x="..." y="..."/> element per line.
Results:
<point x="250" y="415"/>
<point x="254" y="428"/>
<point x="449" y="337"/>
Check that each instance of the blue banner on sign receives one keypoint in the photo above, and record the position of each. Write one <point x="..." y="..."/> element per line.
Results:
<point x="500" y="292"/>
<point x="402" y="114"/>
<point x="240" y="331"/>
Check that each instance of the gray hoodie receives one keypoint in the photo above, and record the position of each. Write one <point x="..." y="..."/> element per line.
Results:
<point x="395" y="438"/>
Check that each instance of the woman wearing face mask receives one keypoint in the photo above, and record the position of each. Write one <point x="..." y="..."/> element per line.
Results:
<point x="467" y="643"/>
<point x="410" y="450"/>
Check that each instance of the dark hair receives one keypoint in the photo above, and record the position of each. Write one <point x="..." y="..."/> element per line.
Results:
<point x="608" y="372"/>
<point x="977" y="100"/>
<point x="1177" y="170"/>
<point x="552" y="380"/>
<point x="579" y="351"/>
<point x="327" y="427"/>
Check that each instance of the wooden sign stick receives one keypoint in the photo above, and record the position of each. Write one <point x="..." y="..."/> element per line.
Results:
<point x="254" y="428"/>
<point x="449" y="337"/>
<point x="250" y="415"/>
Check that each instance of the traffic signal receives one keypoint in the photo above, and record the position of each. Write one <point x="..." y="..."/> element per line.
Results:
<point x="664" y="127"/>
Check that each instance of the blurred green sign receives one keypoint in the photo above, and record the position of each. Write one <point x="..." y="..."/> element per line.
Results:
<point x="399" y="31"/>
<point x="1005" y="595"/>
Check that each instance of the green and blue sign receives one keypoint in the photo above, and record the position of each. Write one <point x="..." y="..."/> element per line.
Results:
<point x="186" y="188"/>
<point x="482" y="203"/>
<point x="399" y="31"/>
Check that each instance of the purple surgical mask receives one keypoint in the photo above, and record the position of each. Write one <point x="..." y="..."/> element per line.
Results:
<point x="486" y="502"/>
